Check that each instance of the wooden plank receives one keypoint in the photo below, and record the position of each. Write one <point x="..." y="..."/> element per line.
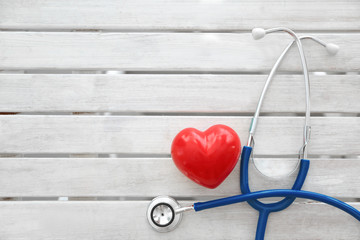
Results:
<point x="174" y="93"/>
<point x="147" y="177"/>
<point x="127" y="220"/>
<point x="169" y="52"/>
<point x="154" y="134"/>
<point x="179" y="15"/>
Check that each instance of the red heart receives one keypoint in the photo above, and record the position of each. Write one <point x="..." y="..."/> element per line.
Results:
<point x="207" y="157"/>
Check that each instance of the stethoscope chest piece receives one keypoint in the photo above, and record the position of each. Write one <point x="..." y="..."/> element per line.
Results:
<point x="161" y="214"/>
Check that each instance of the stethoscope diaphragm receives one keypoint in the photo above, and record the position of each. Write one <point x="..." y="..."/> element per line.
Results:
<point x="161" y="213"/>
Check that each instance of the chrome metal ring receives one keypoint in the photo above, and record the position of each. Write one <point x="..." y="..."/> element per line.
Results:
<point x="162" y="214"/>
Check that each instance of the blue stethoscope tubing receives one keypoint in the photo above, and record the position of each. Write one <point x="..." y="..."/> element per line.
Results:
<point x="199" y="206"/>
<point x="266" y="209"/>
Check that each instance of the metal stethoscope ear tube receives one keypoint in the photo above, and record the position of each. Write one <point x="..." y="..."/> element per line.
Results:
<point x="266" y="209"/>
<point x="164" y="213"/>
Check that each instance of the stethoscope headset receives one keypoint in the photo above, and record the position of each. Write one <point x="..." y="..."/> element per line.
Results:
<point x="165" y="213"/>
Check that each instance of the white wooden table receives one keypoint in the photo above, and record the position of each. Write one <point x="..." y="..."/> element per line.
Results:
<point x="93" y="92"/>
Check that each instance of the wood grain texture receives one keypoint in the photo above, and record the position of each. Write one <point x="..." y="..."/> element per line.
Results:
<point x="179" y="15"/>
<point x="137" y="41"/>
<point x="154" y="134"/>
<point x="126" y="220"/>
<point x="169" y="52"/>
<point x="174" y="93"/>
<point x="148" y="177"/>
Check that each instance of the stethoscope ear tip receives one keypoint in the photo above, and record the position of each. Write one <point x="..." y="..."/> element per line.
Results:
<point x="332" y="49"/>
<point x="258" y="33"/>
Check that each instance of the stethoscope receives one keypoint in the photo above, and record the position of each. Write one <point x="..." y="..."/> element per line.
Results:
<point x="165" y="213"/>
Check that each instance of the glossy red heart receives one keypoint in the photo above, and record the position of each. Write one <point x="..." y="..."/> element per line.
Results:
<point x="207" y="157"/>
